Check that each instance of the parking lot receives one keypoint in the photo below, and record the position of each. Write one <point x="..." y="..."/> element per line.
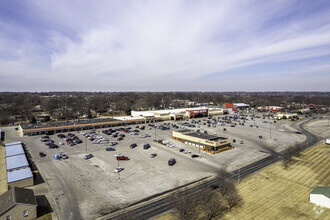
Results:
<point x="86" y="189"/>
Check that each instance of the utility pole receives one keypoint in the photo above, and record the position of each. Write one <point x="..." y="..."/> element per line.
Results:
<point x="155" y="132"/>
<point x="86" y="144"/>
<point x="239" y="174"/>
<point x="118" y="172"/>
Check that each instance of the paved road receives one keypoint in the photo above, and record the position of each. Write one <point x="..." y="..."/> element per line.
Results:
<point x="163" y="203"/>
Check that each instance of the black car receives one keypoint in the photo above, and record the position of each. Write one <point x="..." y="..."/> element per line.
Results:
<point x="41" y="154"/>
<point x="181" y="150"/>
<point x="260" y="136"/>
<point x="194" y="156"/>
<point x="133" y="145"/>
<point x="146" y="146"/>
<point x="61" y="135"/>
<point x="234" y="140"/>
<point x="120" y="138"/>
<point x="298" y="132"/>
<point x="53" y="146"/>
<point x="171" y="162"/>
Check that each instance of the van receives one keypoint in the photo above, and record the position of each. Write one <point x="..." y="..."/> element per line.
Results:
<point x="171" y="162"/>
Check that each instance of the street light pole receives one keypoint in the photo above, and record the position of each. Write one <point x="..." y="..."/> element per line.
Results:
<point x="270" y="131"/>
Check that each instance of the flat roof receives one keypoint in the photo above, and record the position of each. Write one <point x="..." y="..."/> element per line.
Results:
<point x="14" y="150"/>
<point x="324" y="190"/>
<point x="67" y="123"/>
<point x="17" y="175"/>
<point x="13" y="143"/>
<point x="17" y="161"/>
<point x="206" y="136"/>
<point x="125" y="118"/>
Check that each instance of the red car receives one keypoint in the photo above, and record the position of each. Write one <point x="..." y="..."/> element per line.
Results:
<point x="122" y="158"/>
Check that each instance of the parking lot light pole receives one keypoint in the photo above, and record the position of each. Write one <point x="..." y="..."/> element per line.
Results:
<point x="155" y="132"/>
<point x="86" y="144"/>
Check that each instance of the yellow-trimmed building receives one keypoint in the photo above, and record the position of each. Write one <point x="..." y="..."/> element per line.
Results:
<point x="206" y="142"/>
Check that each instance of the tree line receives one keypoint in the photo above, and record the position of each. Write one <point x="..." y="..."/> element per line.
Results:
<point x="72" y="105"/>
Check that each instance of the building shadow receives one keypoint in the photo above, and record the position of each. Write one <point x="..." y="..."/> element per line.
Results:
<point x="43" y="206"/>
<point x="37" y="178"/>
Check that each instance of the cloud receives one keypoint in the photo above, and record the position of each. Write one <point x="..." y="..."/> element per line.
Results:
<point x="161" y="45"/>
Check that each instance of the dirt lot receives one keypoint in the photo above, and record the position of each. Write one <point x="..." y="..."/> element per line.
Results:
<point x="88" y="188"/>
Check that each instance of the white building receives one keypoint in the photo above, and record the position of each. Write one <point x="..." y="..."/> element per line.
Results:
<point x="320" y="196"/>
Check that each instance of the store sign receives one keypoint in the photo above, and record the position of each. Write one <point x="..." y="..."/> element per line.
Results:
<point x="210" y="142"/>
<point x="223" y="142"/>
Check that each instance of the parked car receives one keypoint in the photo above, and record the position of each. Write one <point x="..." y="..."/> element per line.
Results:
<point x="41" y="154"/>
<point x="298" y="132"/>
<point x="133" y="145"/>
<point x="153" y="155"/>
<point x="53" y="146"/>
<point x="171" y="162"/>
<point x="181" y="150"/>
<point x="194" y="155"/>
<point x="120" y="138"/>
<point x="260" y="136"/>
<point x="186" y="151"/>
<point x="118" y="155"/>
<point x="241" y="142"/>
<point x="146" y="146"/>
<point x="61" y="143"/>
<point x="118" y="169"/>
<point x="110" y="149"/>
<point x="234" y="140"/>
<point x="64" y="156"/>
<point x="88" y="156"/>
<point x="122" y="158"/>
<point x="113" y="143"/>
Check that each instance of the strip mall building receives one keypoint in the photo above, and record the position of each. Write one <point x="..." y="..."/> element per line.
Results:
<point x="177" y="114"/>
<point x="136" y="117"/>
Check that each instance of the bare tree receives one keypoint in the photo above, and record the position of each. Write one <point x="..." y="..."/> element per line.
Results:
<point x="232" y="198"/>
<point x="288" y="153"/>
<point x="287" y="158"/>
<point x="211" y="204"/>
<point x="185" y="205"/>
<point x="224" y="181"/>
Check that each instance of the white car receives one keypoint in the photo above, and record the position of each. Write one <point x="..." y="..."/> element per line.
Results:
<point x="186" y="151"/>
<point x="147" y="135"/>
<point x="118" y="169"/>
<point x="280" y="129"/>
<point x="118" y="155"/>
<point x="142" y="136"/>
<point x="61" y="143"/>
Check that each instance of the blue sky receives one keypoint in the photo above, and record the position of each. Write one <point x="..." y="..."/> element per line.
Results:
<point x="173" y="45"/>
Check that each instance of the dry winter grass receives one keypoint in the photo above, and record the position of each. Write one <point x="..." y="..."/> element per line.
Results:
<point x="278" y="193"/>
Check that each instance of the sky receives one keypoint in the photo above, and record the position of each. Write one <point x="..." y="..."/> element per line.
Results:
<point x="172" y="45"/>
